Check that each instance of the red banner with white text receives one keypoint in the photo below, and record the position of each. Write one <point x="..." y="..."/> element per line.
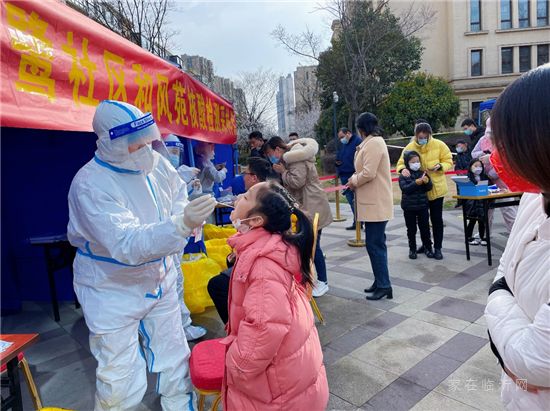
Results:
<point x="57" y="65"/>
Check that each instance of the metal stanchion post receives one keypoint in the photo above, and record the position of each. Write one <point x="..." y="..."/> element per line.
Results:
<point x="338" y="218"/>
<point x="356" y="242"/>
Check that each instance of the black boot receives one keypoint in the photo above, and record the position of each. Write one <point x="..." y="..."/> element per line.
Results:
<point x="372" y="288"/>
<point x="421" y="250"/>
<point x="429" y="252"/>
<point x="412" y="254"/>
<point x="351" y="227"/>
<point x="381" y="293"/>
<point x="437" y="254"/>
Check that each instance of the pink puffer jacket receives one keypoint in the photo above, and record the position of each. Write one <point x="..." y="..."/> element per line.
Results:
<point x="274" y="359"/>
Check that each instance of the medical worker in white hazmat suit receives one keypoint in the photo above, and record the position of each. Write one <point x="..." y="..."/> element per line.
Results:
<point x="128" y="215"/>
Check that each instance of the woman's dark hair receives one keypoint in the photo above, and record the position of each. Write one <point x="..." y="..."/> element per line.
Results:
<point x="423" y="128"/>
<point x="367" y="123"/>
<point x="468" y="122"/>
<point x="275" y="142"/>
<point x="277" y="206"/>
<point x="520" y="121"/>
<point x="471" y="175"/>
<point x="261" y="168"/>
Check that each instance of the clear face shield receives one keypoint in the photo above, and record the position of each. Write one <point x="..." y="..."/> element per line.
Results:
<point x="175" y="152"/>
<point x="136" y="133"/>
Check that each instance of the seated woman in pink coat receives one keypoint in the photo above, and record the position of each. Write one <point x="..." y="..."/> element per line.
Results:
<point x="274" y="359"/>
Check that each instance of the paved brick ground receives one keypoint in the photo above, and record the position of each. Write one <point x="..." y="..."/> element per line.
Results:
<point x="426" y="349"/>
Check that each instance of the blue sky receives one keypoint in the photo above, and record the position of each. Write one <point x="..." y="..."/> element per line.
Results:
<point x="236" y="35"/>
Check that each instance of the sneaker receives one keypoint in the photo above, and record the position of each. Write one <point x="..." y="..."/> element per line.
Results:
<point x="474" y="241"/>
<point x="483" y="242"/>
<point x="320" y="289"/>
<point x="194" y="332"/>
<point x="351" y="227"/>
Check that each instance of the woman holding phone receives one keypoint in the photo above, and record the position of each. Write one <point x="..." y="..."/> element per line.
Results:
<point x="436" y="159"/>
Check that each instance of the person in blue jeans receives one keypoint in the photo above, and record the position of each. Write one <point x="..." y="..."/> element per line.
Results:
<point x="373" y="188"/>
<point x="344" y="164"/>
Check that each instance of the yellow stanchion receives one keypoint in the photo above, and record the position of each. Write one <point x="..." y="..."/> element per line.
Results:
<point x="338" y="218"/>
<point x="356" y="242"/>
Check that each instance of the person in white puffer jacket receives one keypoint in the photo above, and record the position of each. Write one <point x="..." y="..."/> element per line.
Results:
<point x="518" y="306"/>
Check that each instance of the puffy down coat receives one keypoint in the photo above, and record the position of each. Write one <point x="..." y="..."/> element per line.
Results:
<point x="432" y="153"/>
<point x="519" y="324"/>
<point x="274" y="359"/>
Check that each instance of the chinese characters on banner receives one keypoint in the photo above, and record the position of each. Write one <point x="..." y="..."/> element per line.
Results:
<point x="57" y="65"/>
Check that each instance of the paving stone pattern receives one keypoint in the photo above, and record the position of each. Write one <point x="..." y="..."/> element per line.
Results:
<point x="427" y="349"/>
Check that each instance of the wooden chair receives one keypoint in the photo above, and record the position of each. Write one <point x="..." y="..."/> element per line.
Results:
<point x="314" y="305"/>
<point x="33" y="391"/>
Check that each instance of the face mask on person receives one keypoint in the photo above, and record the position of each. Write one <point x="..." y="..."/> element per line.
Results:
<point x="459" y="149"/>
<point x="512" y="180"/>
<point x="468" y="131"/>
<point x="273" y="159"/>
<point x="344" y="140"/>
<point x="422" y="141"/>
<point x="174" y="160"/>
<point x="240" y="227"/>
<point x="143" y="159"/>
<point x="414" y="166"/>
<point x="477" y="170"/>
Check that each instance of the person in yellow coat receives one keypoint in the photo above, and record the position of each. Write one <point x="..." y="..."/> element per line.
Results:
<point x="436" y="158"/>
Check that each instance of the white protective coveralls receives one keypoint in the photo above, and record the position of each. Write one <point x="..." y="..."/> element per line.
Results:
<point x="126" y="219"/>
<point x="519" y="324"/>
<point x="172" y="149"/>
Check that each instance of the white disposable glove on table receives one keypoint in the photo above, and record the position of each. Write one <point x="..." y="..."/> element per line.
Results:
<point x="194" y="214"/>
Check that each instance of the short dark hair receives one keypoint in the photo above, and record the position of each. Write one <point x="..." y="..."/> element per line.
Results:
<point x="521" y="126"/>
<point x="293" y="134"/>
<point x="256" y="134"/>
<point x="260" y="167"/>
<point x="344" y="130"/>
<point x="423" y="128"/>
<point x="468" y="122"/>
<point x="275" y="142"/>
<point x="368" y="124"/>
<point x="420" y="120"/>
<point x="461" y="142"/>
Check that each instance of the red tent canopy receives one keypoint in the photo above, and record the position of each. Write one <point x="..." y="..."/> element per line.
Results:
<point x="57" y="65"/>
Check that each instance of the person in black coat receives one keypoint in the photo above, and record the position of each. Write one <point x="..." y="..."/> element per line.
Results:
<point x="474" y="208"/>
<point x="256" y="143"/>
<point x="463" y="155"/>
<point x="472" y="129"/>
<point x="414" y="202"/>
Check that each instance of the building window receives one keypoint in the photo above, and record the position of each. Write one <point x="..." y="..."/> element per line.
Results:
<point x="507" y="60"/>
<point x="476" y="69"/>
<point x="505" y="14"/>
<point x="524" y="58"/>
<point x="475" y="110"/>
<point x="524" y="10"/>
<point x="542" y="54"/>
<point x="475" y="15"/>
<point x="542" y="13"/>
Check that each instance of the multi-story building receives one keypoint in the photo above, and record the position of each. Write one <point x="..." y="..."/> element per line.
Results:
<point x="285" y="105"/>
<point x="306" y="89"/>
<point x="199" y="67"/>
<point x="481" y="46"/>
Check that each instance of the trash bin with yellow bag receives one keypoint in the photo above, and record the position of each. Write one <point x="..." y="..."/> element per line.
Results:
<point x="197" y="270"/>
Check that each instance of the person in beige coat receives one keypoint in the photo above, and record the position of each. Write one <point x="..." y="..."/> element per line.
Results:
<point x="295" y="162"/>
<point x="373" y="191"/>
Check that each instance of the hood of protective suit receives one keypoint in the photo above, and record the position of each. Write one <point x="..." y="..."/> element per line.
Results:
<point x="111" y="114"/>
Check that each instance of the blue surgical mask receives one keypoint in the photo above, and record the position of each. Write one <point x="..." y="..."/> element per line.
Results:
<point x="273" y="159"/>
<point x="468" y="132"/>
<point x="174" y="160"/>
<point x="344" y="140"/>
<point x="459" y="149"/>
<point x="422" y="141"/>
